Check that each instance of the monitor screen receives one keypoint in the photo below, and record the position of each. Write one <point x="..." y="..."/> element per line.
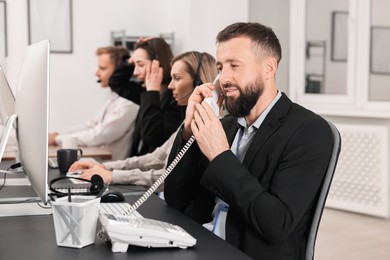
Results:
<point x="32" y="110"/>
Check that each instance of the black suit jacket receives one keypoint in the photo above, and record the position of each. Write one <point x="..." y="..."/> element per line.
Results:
<point x="271" y="194"/>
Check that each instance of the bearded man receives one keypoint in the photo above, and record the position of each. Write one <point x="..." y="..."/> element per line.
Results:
<point x="266" y="160"/>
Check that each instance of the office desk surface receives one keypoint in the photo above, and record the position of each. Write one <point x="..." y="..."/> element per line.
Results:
<point x="33" y="237"/>
<point x="88" y="151"/>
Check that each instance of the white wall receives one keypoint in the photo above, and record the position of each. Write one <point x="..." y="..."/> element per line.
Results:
<point x="275" y="14"/>
<point x="75" y="95"/>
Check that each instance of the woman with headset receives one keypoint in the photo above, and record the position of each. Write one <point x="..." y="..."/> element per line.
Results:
<point x="158" y="117"/>
<point x="189" y="70"/>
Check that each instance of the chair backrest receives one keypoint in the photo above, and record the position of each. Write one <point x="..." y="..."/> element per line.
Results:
<point x="323" y="193"/>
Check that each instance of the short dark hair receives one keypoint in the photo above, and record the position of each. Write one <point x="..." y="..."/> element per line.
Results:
<point x="260" y="35"/>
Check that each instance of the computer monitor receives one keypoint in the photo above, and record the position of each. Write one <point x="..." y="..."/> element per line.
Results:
<point x="32" y="110"/>
<point x="7" y="111"/>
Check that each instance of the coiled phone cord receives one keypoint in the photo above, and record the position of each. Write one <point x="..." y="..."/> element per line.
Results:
<point x="160" y="180"/>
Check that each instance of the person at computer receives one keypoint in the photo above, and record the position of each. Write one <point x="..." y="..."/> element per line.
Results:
<point x="113" y="126"/>
<point x="158" y="116"/>
<point x="188" y="70"/>
<point x="266" y="160"/>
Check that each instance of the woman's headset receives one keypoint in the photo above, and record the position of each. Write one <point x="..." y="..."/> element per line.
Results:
<point x="154" y="49"/>
<point x="197" y="80"/>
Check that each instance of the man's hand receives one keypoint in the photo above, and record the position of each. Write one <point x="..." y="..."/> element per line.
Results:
<point x="197" y="96"/>
<point x="208" y="131"/>
<point x="52" y="138"/>
<point x="202" y="122"/>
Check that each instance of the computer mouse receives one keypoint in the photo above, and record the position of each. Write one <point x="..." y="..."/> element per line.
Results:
<point x="112" y="196"/>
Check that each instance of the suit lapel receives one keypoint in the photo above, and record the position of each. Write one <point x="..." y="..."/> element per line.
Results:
<point x="271" y="123"/>
<point x="231" y="126"/>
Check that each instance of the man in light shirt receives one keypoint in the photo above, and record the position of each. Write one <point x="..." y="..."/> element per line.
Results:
<point x="113" y="125"/>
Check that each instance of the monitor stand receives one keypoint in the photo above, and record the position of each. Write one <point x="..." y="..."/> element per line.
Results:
<point x="12" y="206"/>
<point x="4" y="137"/>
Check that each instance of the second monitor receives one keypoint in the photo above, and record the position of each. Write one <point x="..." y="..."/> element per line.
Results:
<point x="32" y="110"/>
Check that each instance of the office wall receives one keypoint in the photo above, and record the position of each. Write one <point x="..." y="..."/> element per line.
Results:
<point x="275" y="14"/>
<point x="75" y="95"/>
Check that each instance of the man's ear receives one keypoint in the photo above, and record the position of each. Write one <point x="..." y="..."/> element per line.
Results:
<point x="270" y="66"/>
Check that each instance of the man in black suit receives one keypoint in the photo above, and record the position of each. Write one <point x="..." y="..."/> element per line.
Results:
<point x="266" y="160"/>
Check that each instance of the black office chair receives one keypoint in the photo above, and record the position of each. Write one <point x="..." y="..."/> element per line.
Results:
<point x="323" y="193"/>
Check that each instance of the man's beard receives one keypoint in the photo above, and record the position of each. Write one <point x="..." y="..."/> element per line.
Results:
<point x="242" y="106"/>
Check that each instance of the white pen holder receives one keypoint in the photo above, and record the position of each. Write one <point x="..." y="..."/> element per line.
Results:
<point x="75" y="221"/>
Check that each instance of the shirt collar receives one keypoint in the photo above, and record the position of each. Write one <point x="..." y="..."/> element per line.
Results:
<point x="256" y="125"/>
<point x="113" y="95"/>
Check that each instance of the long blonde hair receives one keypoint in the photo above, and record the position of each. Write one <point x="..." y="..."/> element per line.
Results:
<point x="202" y="63"/>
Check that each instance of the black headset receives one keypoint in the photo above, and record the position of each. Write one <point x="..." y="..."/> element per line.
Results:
<point x="154" y="50"/>
<point x="96" y="181"/>
<point x="197" y="80"/>
<point x="123" y="61"/>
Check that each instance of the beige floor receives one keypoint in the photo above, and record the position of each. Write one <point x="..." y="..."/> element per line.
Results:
<point x="349" y="236"/>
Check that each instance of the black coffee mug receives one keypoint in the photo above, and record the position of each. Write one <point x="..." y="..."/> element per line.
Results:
<point x="66" y="157"/>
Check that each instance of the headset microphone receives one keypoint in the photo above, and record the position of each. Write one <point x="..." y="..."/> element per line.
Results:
<point x="174" y="102"/>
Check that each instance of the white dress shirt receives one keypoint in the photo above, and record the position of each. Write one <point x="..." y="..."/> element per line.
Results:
<point x="112" y="128"/>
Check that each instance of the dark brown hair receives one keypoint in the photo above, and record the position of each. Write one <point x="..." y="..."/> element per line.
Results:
<point x="260" y="35"/>
<point x="158" y="48"/>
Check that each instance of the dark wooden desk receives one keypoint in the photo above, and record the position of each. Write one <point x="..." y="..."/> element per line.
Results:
<point x="33" y="237"/>
<point x="88" y="151"/>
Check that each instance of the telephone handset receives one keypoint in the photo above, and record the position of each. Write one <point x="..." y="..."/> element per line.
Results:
<point x="213" y="103"/>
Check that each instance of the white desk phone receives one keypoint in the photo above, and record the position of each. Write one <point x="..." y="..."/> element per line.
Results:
<point x="128" y="227"/>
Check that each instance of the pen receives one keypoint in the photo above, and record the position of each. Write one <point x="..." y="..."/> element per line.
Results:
<point x="69" y="194"/>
